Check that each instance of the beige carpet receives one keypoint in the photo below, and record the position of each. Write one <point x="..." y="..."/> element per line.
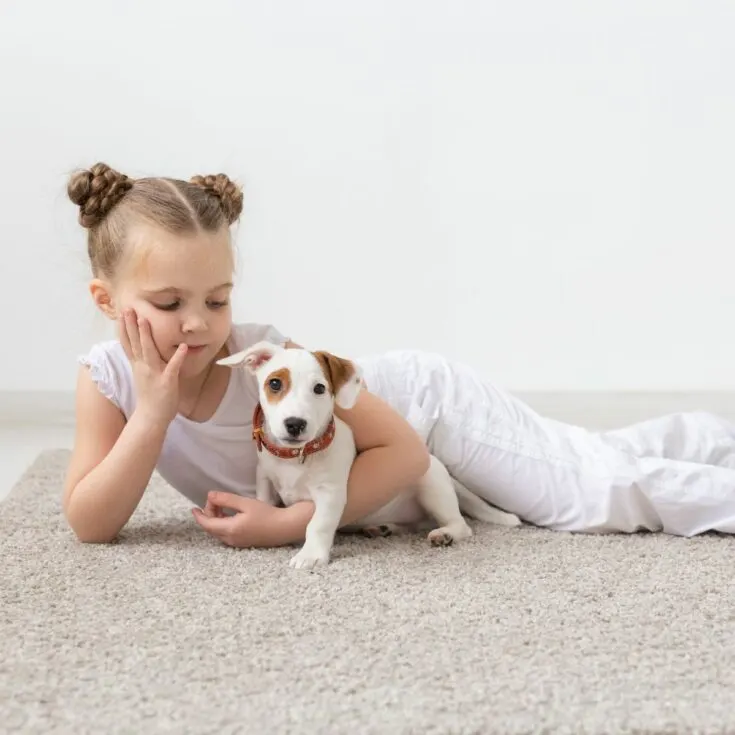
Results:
<point x="516" y="631"/>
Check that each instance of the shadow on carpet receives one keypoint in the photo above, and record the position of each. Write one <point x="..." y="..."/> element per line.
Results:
<point x="515" y="631"/>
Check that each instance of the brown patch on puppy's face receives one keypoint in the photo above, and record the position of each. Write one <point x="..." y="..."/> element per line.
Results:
<point x="277" y="385"/>
<point x="337" y="370"/>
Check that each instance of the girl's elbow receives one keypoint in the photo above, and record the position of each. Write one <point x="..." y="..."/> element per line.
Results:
<point x="95" y="538"/>
<point x="92" y="535"/>
<point x="86" y="533"/>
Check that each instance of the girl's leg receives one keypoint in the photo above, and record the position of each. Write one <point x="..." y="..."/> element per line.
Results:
<point x="696" y="436"/>
<point x="493" y="444"/>
<point x="577" y="485"/>
<point x="549" y="473"/>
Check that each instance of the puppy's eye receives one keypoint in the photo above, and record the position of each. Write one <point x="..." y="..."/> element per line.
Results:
<point x="319" y="388"/>
<point x="274" y="384"/>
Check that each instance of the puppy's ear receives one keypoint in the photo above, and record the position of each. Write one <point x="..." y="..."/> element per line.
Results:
<point x="252" y="358"/>
<point x="345" y="380"/>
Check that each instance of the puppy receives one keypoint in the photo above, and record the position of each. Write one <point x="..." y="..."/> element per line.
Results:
<point x="306" y="451"/>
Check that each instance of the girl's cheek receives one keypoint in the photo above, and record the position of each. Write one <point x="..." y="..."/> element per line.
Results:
<point x="160" y="322"/>
<point x="158" y="319"/>
<point x="222" y="325"/>
<point x="163" y="336"/>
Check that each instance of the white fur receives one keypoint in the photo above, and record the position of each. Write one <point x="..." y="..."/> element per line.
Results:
<point x="322" y="476"/>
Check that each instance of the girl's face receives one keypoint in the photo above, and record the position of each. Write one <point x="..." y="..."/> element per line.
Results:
<point x="181" y="285"/>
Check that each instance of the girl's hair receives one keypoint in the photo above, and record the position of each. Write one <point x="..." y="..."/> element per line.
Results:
<point x="109" y="202"/>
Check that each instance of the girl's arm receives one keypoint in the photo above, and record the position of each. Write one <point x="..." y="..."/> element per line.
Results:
<point x="111" y="464"/>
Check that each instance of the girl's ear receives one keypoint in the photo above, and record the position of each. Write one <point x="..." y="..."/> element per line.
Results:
<point x="253" y="358"/>
<point x="345" y="379"/>
<point x="102" y="297"/>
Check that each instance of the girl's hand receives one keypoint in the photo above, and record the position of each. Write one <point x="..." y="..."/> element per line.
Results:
<point x="156" y="382"/>
<point x="254" y="524"/>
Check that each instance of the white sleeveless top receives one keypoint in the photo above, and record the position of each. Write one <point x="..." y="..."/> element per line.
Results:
<point x="197" y="457"/>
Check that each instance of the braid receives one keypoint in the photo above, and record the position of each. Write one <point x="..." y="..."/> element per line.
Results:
<point x="225" y="190"/>
<point x="96" y="191"/>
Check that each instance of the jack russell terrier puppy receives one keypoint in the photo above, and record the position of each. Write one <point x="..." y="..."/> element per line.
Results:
<point x="306" y="451"/>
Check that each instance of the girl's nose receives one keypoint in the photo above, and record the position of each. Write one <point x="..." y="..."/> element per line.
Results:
<point x="194" y="323"/>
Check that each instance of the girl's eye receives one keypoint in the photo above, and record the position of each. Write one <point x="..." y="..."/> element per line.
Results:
<point x="176" y="304"/>
<point x="319" y="388"/>
<point x="274" y="384"/>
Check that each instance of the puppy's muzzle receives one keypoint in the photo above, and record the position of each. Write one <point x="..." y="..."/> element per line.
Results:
<point x="295" y="426"/>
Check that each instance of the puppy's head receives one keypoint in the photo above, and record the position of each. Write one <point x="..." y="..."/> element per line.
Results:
<point x="298" y="389"/>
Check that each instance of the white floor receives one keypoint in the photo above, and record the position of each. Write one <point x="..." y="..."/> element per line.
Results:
<point x="20" y="444"/>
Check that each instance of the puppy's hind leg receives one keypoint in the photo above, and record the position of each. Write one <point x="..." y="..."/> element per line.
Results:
<point x="436" y="494"/>
<point x="478" y="509"/>
<point x="382" y="531"/>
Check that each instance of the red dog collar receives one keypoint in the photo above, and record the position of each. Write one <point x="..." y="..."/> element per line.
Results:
<point x="315" y="445"/>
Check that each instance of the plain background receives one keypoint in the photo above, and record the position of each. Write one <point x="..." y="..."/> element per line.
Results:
<point x="544" y="190"/>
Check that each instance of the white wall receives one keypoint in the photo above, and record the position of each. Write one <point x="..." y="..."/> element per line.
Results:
<point x="547" y="187"/>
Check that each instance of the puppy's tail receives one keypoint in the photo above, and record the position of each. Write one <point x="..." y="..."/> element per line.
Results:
<point x="475" y="507"/>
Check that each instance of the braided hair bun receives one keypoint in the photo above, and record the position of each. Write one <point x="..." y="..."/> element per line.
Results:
<point x="96" y="191"/>
<point x="227" y="191"/>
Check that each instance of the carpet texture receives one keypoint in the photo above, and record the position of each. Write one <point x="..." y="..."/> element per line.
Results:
<point x="516" y="631"/>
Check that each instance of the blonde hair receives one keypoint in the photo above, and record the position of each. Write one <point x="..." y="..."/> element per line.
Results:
<point x="109" y="202"/>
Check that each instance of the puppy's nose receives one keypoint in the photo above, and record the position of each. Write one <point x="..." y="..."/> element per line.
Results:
<point x="294" y="426"/>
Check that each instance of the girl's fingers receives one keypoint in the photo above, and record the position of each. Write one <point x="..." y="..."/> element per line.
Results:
<point x="220" y="528"/>
<point x="231" y="501"/>
<point x="124" y="339"/>
<point x="150" y="352"/>
<point x="212" y="510"/>
<point x="131" y="325"/>
<point x="174" y="364"/>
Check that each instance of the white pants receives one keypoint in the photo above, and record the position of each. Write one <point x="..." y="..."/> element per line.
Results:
<point x="674" y="474"/>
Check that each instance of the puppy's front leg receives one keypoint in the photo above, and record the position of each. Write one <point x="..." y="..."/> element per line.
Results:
<point x="329" y="504"/>
<point x="264" y="487"/>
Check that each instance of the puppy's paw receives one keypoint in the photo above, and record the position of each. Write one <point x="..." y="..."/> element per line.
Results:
<point x="387" y="529"/>
<point x="309" y="559"/>
<point x="440" y="537"/>
<point x="447" y="535"/>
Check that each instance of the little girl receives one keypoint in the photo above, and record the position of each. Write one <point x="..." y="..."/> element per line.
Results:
<point x="162" y="264"/>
